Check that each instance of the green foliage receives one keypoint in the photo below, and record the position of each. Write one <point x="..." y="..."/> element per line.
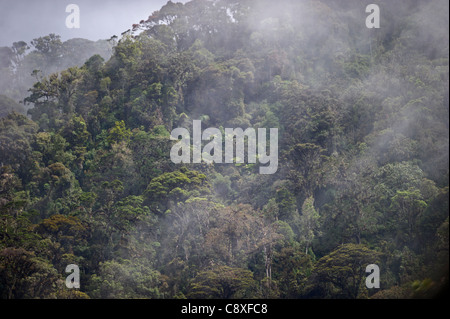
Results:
<point x="363" y="155"/>
<point x="118" y="133"/>
<point x="222" y="282"/>
<point x="291" y="270"/>
<point x="173" y="186"/>
<point x="344" y="268"/>
<point x="309" y="222"/>
<point x="124" y="279"/>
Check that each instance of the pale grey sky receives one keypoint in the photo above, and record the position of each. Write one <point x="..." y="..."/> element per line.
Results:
<point x="99" y="19"/>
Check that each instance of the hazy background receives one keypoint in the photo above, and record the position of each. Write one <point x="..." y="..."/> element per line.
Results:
<point x="100" y="19"/>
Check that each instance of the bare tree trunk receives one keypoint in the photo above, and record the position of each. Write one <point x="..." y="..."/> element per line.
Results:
<point x="268" y="264"/>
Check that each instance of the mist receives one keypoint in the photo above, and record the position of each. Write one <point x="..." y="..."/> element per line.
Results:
<point x="363" y="161"/>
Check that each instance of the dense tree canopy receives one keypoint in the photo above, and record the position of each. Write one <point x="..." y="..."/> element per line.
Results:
<point x="86" y="177"/>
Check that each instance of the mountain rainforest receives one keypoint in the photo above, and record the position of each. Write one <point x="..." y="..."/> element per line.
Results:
<point x="363" y="171"/>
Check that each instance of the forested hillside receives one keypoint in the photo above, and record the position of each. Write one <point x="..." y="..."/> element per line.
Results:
<point x="363" y="120"/>
<point x="22" y="64"/>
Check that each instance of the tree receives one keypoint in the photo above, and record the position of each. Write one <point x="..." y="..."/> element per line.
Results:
<point x="287" y="205"/>
<point x="16" y="133"/>
<point x="125" y="279"/>
<point x="50" y="46"/>
<point x="344" y="268"/>
<point x="408" y="206"/>
<point x="305" y="161"/>
<point x="66" y="232"/>
<point x="173" y="187"/>
<point x="187" y="225"/>
<point x="118" y="133"/>
<point x="222" y="282"/>
<point x="291" y="269"/>
<point x="355" y="208"/>
<point x="15" y="265"/>
<point x="309" y="222"/>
